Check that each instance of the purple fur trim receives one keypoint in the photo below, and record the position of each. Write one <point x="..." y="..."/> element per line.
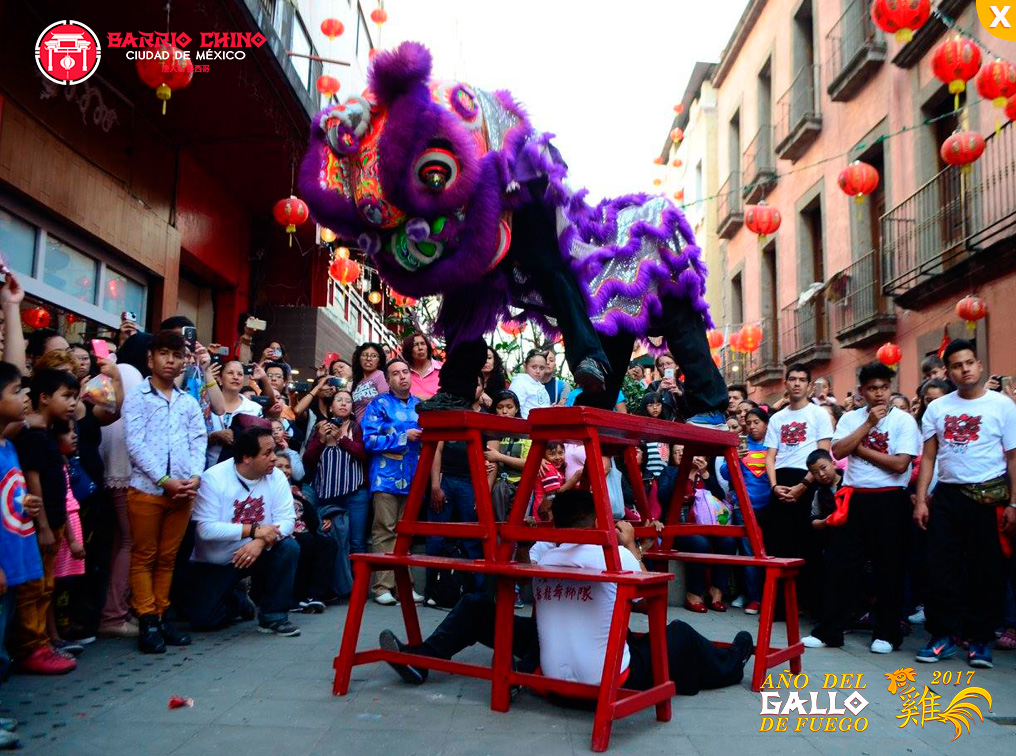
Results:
<point x="393" y="72"/>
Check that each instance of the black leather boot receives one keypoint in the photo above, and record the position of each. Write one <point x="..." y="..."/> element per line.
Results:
<point x="173" y="637"/>
<point x="149" y="639"/>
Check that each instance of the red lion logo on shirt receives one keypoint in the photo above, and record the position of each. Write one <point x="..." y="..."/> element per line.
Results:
<point x="249" y="510"/>
<point x="877" y="442"/>
<point x="792" y="434"/>
<point x="963" y="429"/>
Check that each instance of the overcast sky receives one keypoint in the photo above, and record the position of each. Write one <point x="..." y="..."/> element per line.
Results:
<point x="603" y="75"/>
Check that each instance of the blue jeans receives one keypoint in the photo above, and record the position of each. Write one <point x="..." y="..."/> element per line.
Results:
<point x="356" y="506"/>
<point x="7" y="603"/>
<point x="753" y="576"/>
<point x="695" y="574"/>
<point x="459" y="506"/>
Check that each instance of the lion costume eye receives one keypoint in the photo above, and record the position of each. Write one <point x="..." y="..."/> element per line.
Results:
<point x="437" y="169"/>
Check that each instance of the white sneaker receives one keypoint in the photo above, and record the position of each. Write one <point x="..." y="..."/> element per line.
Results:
<point x="431" y="602"/>
<point x="385" y="599"/>
<point x="738" y="602"/>
<point x="881" y="647"/>
<point x="417" y="598"/>
<point x="917" y="618"/>
<point x="810" y="641"/>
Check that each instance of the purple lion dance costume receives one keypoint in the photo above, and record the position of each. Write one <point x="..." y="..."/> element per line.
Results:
<point x="449" y="190"/>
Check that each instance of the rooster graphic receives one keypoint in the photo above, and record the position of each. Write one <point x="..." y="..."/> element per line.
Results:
<point x="923" y="707"/>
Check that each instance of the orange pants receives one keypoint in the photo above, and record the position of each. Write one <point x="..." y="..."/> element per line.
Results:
<point x="158" y="525"/>
<point x="32" y="605"/>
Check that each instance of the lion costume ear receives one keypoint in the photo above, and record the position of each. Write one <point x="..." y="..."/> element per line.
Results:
<point x="394" y="72"/>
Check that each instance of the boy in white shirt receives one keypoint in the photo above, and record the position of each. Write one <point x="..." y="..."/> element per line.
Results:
<point x="793" y="433"/>
<point x="881" y="442"/>
<point x="971" y="434"/>
<point x="244" y="515"/>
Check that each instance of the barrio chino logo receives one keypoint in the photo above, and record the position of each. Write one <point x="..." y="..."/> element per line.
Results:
<point x="998" y="17"/>
<point x="67" y="52"/>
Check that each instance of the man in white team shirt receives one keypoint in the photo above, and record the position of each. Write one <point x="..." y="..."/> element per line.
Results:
<point x="793" y="433"/>
<point x="573" y="621"/>
<point x="881" y="442"/>
<point x="971" y="434"/>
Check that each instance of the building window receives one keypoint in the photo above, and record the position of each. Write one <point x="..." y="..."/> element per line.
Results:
<point x="122" y="294"/>
<point x="69" y="270"/>
<point x="17" y="243"/>
<point x="66" y="272"/>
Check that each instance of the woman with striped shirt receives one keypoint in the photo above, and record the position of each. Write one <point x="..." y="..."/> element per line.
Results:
<point x="334" y="460"/>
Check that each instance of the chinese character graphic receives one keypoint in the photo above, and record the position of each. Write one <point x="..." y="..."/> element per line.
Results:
<point x="919" y="708"/>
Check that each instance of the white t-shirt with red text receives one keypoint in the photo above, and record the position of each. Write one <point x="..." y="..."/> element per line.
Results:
<point x="896" y="433"/>
<point x="573" y="618"/>
<point x="973" y="435"/>
<point x="795" y="434"/>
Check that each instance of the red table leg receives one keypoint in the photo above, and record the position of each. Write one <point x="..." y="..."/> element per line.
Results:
<point x="604" y="718"/>
<point x="765" y="630"/>
<point x="658" y="644"/>
<point x="793" y="621"/>
<point x="409" y="616"/>
<point x="343" y="663"/>
<point x="500" y="691"/>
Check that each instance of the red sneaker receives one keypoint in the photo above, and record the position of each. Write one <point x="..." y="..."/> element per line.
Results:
<point x="752" y="607"/>
<point x="46" y="661"/>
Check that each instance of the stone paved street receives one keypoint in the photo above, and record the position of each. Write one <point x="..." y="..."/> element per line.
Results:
<point x="257" y="695"/>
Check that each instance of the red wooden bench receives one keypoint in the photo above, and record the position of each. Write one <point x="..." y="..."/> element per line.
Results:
<point x="603" y="432"/>
<point x="613" y="702"/>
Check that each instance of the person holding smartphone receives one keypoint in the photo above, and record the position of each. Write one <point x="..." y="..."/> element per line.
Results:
<point x="674" y="405"/>
<point x="220" y="435"/>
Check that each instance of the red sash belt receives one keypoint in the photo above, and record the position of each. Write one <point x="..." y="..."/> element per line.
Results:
<point x="843" y="496"/>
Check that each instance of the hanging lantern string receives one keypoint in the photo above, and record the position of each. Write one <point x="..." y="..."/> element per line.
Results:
<point x="860" y="148"/>
<point x="951" y="24"/>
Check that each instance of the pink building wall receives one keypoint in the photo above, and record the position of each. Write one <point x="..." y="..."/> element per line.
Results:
<point x="892" y="94"/>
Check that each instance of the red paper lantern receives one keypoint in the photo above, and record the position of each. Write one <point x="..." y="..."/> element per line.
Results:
<point x="378" y="16"/>
<point x="858" y="179"/>
<point x="889" y="354"/>
<point x="402" y="301"/>
<point x="679" y="108"/>
<point x="36" y="317"/>
<point x="971" y="309"/>
<point x="327" y="85"/>
<point x="751" y="338"/>
<point x="178" y="74"/>
<point x="962" y="148"/>
<point x="113" y="286"/>
<point x="715" y="338"/>
<point x="676" y="163"/>
<point x="997" y="82"/>
<point x="955" y="62"/>
<point x="735" y="341"/>
<point x="290" y="212"/>
<point x="716" y="359"/>
<point x="762" y="219"/>
<point x="900" y="17"/>
<point x="657" y="182"/>
<point x="679" y="195"/>
<point x="332" y="28"/>
<point x="512" y="329"/>
<point x="677" y="134"/>
<point x="343" y="270"/>
<point x="1010" y="109"/>
<point x="658" y="160"/>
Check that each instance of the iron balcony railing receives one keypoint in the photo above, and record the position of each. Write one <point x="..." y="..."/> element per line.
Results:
<point x="797" y="106"/>
<point x="852" y="38"/>
<point x="954" y="217"/>
<point x="803" y="327"/>
<point x="759" y="164"/>
<point x="732" y="364"/>
<point x="729" y="210"/>
<point x="767" y="356"/>
<point x="856" y="294"/>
